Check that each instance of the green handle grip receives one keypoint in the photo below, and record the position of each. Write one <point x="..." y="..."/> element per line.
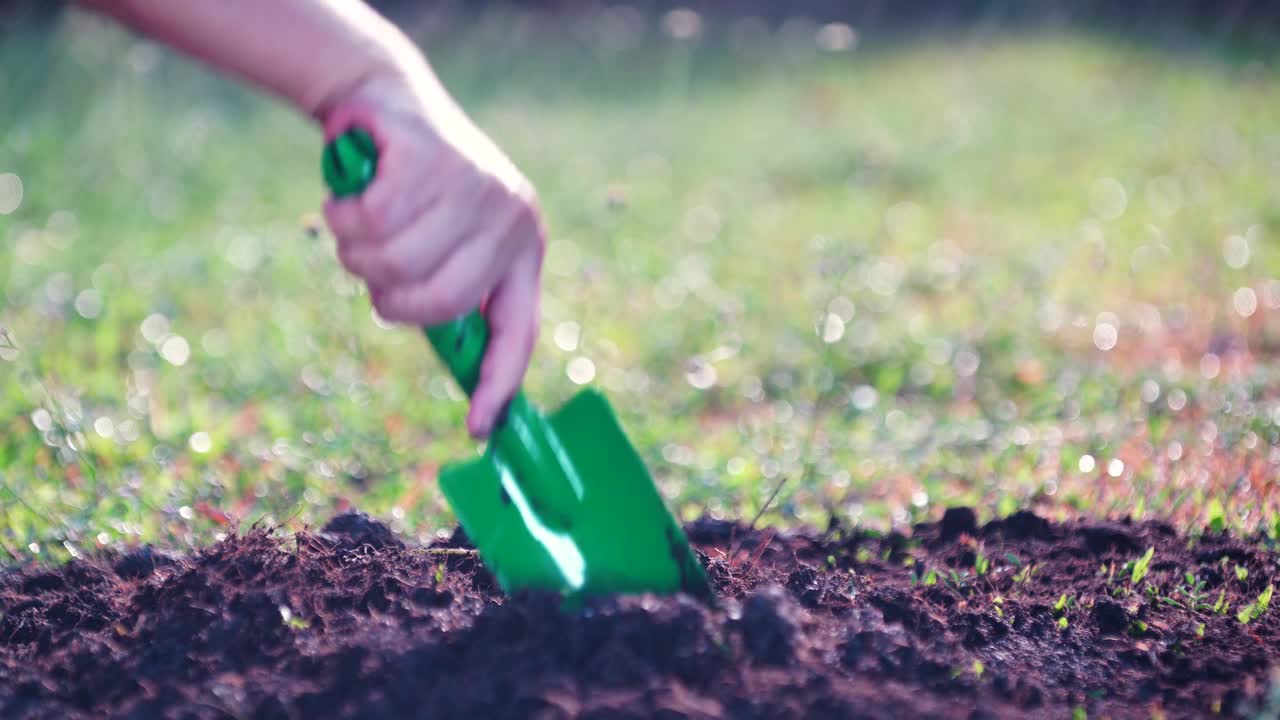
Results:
<point x="522" y="440"/>
<point x="349" y="164"/>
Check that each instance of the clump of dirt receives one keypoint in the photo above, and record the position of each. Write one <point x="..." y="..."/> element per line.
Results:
<point x="1017" y="618"/>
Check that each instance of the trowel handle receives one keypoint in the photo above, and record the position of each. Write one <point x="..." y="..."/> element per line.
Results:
<point x="349" y="163"/>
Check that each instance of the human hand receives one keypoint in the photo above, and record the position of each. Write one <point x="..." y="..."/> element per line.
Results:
<point x="447" y="224"/>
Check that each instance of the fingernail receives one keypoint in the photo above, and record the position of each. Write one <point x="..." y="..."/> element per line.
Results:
<point x="479" y="429"/>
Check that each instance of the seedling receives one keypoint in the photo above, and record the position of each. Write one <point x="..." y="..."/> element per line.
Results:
<point x="930" y="578"/>
<point x="1062" y="623"/>
<point x="1200" y="630"/>
<point x="1024" y="575"/>
<point x="1193" y="594"/>
<point x="1061" y="605"/>
<point x="1142" y="565"/>
<point x="1242" y="573"/>
<point x="1217" y="516"/>
<point x="1137" y="628"/>
<point x="981" y="564"/>
<point x="1220" y="607"/>
<point x="1255" y="609"/>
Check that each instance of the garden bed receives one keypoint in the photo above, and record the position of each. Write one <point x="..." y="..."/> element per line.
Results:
<point x="1017" y="618"/>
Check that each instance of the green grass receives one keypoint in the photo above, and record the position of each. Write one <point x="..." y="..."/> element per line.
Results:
<point x="957" y="213"/>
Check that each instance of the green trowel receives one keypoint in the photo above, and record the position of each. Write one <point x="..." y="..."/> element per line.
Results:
<point x="557" y="502"/>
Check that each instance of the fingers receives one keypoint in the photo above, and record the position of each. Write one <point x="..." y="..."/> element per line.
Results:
<point x="512" y="314"/>
<point x="411" y="255"/>
<point x="455" y="287"/>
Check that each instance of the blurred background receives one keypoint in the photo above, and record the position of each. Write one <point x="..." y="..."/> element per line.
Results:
<point x="850" y="261"/>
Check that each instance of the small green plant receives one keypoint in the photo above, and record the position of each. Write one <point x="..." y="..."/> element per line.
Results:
<point x="1221" y="606"/>
<point x="981" y="565"/>
<point x="1137" y="628"/>
<point x="862" y="555"/>
<point x="1061" y="606"/>
<point x="1242" y="573"/>
<point x="930" y="578"/>
<point x="1079" y="713"/>
<point x="1193" y="594"/>
<point x="439" y="573"/>
<point x="1255" y="609"/>
<point x="1062" y="622"/>
<point x="1200" y="630"/>
<point x="1217" y="516"/>
<point x="1141" y="566"/>
<point x="978" y="668"/>
<point x="1025" y="574"/>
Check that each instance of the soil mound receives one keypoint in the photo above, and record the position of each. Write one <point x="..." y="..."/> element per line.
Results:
<point x="1017" y="618"/>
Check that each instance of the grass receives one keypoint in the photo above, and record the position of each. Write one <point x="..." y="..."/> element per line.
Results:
<point x="1025" y="269"/>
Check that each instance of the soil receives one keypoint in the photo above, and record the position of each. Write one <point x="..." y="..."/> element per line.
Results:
<point x="351" y="622"/>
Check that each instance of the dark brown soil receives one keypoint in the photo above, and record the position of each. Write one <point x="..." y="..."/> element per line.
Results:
<point x="350" y="622"/>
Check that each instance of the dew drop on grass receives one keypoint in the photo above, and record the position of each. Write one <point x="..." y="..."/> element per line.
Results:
<point x="10" y="193"/>
<point x="186" y="512"/>
<point x="1174" y="452"/>
<point x="89" y="304"/>
<point x="1115" y="468"/>
<point x="700" y="374"/>
<point x="1177" y="399"/>
<point x="864" y="397"/>
<point x="1150" y="391"/>
<point x="567" y="335"/>
<point x="200" y="442"/>
<point x="1087" y="463"/>
<point x="175" y="350"/>
<point x="1235" y="251"/>
<point x="155" y="328"/>
<point x="832" y="328"/>
<point x="1245" y="301"/>
<point x="105" y="428"/>
<point x="1108" y="198"/>
<point x="1210" y="366"/>
<point x="42" y="419"/>
<point x="1105" y="336"/>
<point x="581" y="370"/>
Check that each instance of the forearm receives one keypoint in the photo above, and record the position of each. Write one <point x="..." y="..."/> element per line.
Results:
<point x="310" y="52"/>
